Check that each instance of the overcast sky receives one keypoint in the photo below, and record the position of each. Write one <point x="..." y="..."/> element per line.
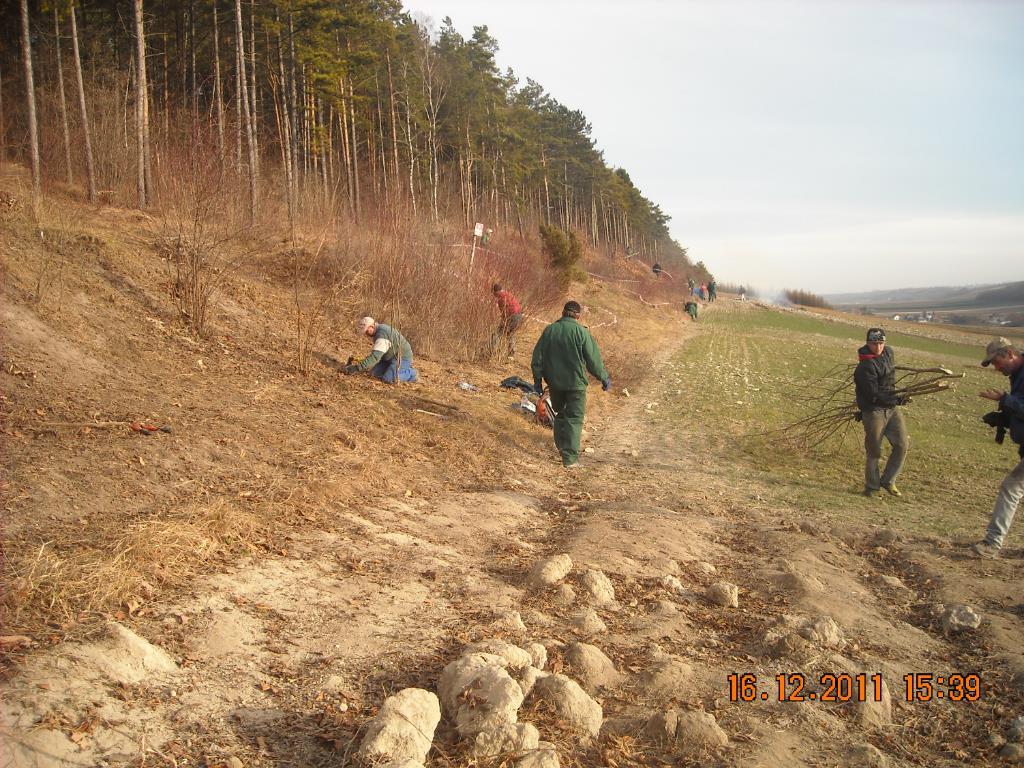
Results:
<point x="830" y="146"/>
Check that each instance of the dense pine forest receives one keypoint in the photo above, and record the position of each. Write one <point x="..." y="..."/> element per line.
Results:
<point x="304" y="112"/>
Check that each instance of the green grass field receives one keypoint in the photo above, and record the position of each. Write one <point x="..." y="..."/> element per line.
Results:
<point x="748" y="373"/>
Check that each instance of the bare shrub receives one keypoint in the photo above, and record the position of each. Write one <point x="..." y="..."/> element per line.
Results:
<point x="203" y="229"/>
<point x="325" y="285"/>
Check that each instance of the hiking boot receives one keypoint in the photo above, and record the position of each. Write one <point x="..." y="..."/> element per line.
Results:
<point x="892" y="489"/>
<point x="986" y="550"/>
<point x="574" y="465"/>
<point x="871" y="493"/>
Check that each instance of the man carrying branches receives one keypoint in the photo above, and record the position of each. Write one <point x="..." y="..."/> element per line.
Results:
<point x="877" y="399"/>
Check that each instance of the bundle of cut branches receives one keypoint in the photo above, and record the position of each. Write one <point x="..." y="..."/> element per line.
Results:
<point x="832" y="407"/>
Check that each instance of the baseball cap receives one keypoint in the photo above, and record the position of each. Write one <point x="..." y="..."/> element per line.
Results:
<point x="994" y="348"/>
<point x="876" y="334"/>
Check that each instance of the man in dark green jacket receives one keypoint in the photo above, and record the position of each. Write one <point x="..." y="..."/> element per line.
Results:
<point x="564" y="353"/>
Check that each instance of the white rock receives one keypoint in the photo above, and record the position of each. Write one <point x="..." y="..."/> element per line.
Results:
<point x="1015" y="731"/>
<point x="665" y="677"/>
<point x="538" y="653"/>
<point x="404" y="726"/>
<point x="1012" y="753"/>
<point x="599" y="587"/>
<point x="506" y="739"/>
<point x="706" y="568"/>
<point x="477" y="693"/>
<point x="125" y="657"/>
<point x="588" y="449"/>
<point x="724" y="594"/>
<point x="875" y="714"/>
<point x="549" y="571"/>
<point x="673" y="584"/>
<point x="591" y="666"/>
<point x="697" y="732"/>
<point x="588" y="623"/>
<point x="546" y="756"/>
<point x="510" y="622"/>
<point x="865" y="755"/>
<point x="960" y="618"/>
<point x="822" y="631"/>
<point x="529" y="677"/>
<point x="565" y="594"/>
<point x="402" y="762"/>
<point x="515" y="657"/>
<point x="661" y="727"/>
<point x="570" y="702"/>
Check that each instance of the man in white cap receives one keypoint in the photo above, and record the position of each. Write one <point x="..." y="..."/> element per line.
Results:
<point x="390" y="360"/>
<point x="1004" y="358"/>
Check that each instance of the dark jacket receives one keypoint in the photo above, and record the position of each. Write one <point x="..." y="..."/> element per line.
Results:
<point x="387" y="345"/>
<point x="875" y="378"/>
<point x="1012" y="404"/>
<point x="564" y="353"/>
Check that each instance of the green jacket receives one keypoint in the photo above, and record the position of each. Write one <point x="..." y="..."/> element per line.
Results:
<point x="564" y="353"/>
<point x="388" y="344"/>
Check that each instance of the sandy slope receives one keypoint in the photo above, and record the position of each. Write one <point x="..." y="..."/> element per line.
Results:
<point x="344" y="545"/>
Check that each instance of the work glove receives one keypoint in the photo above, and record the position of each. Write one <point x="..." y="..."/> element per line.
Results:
<point x="350" y="369"/>
<point x="606" y="384"/>
<point x="538" y="386"/>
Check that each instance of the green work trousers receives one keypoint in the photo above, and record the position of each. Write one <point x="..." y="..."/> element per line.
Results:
<point x="569" y="405"/>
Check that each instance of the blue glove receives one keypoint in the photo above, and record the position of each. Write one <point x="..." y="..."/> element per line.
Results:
<point x="538" y="385"/>
<point x="606" y="384"/>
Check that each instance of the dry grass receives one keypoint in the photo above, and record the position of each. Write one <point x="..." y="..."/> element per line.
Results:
<point x="51" y="585"/>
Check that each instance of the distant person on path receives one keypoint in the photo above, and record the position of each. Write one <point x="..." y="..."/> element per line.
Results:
<point x="702" y="292"/>
<point x="712" y="290"/>
<point x="565" y="352"/>
<point x="691" y="309"/>
<point x="743" y="294"/>
<point x="1005" y="359"/>
<point x="690" y="283"/>
<point x="511" y="319"/>
<point x="656" y="269"/>
<point x="390" y="360"/>
<point x="875" y="380"/>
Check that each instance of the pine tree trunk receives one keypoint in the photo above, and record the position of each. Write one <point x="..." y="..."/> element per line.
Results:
<point x="355" y="149"/>
<point x="30" y="97"/>
<point x="293" y="101"/>
<point x="246" y="116"/>
<point x="3" y="131"/>
<point x="90" y="168"/>
<point x="252" y="88"/>
<point x="345" y="148"/>
<point x="218" y="95"/>
<point x="192" y="61"/>
<point x="394" y="125"/>
<point x="63" y="100"/>
<point x="140" y="106"/>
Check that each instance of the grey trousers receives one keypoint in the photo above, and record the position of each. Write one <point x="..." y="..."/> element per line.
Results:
<point x="1010" y="493"/>
<point x="886" y="423"/>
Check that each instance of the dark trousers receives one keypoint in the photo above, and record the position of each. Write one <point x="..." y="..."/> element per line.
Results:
<point x="569" y="405"/>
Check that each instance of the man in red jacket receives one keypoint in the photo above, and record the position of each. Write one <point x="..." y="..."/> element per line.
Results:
<point x="511" y="319"/>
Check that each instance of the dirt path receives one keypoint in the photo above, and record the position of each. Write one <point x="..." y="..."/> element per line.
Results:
<point x="281" y="660"/>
